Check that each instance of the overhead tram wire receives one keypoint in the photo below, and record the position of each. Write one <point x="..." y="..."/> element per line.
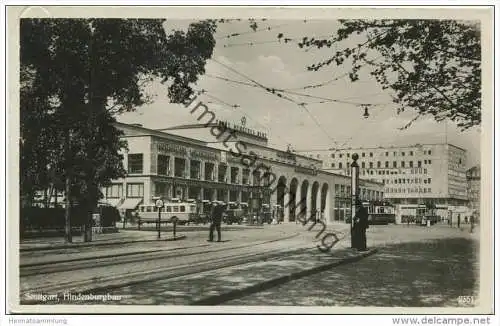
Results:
<point x="239" y="108"/>
<point x="282" y="40"/>
<point x="324" y="101"/>
<point x="269" y="90"/>
<point x="330" y="80"/>
<point x="258" y="30"/>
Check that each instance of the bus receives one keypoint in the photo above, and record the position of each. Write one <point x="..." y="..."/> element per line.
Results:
<point x="180" y="212"/>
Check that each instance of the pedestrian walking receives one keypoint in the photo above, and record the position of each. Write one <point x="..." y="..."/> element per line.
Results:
<point x="458" y="221"/>
<point x="215" y="222"/>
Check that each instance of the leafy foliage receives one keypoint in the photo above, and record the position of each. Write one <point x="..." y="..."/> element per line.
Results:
<point x="76" y="74"/>
<point x="433" y="66"/>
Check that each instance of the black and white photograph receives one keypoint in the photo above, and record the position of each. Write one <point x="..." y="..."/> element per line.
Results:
<point x="236" y="160"/>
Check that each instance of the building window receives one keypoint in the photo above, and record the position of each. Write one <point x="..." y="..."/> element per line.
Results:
<point x="386" y="164"/>
<point x="429" y="180"/>
<point x="363" y="165"/>
<point x="430" y="153"/>
<point x="209" y="171"/>
<point x="180" y="167"/>
<point x="411" y="153"/>
<point x="245" y="179"/>
<point x="161" y="189"/>
<point x="429" y="161"/>
<point x="386" y="153"/>
<point x="394" y="164"/>
<point x="114" y="191"/>
<point x="195" y="170"/>
<point x="340" y="155"/>
<point x="371" y="172"/>
<point x="235" y="171"/>
<point x="379" y="164"/>
<point x="402" y="153"/>
<point x="340" y="165"/>
<point x="163" y="163"/>
<point x="419" y="164"/>
<point x="135" y="190"/>
<point x="394" y="153"/>
<point x="371" y="154"/>
<point x="333" y="155"/>
<point x="363" y="154"/>
<point x="333" y="165"/>
<point x="411" y="164"/>
<point x="371" y="165"/>
<point x="221" y="177"/>
<point x="402" y="164"/>
<point x="135" y="163"/>
<point x="348" y="155"/>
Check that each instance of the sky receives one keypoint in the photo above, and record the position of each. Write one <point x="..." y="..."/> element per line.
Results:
<point x="315" y="126"/>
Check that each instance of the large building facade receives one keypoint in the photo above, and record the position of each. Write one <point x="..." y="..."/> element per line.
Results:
<point x="474" y="190"/>
<point x="167" y="165"/>
<point x="413" y="176"/>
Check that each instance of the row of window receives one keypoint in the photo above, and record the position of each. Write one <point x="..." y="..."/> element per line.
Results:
<point x="409" y="181"/>
<point x="408" y="190"/>
<point x="133" y="190"/>
<point x="386" y="165"/>
<point x="363" y="154"/>
<point x="135" y="166"/>
<point x="368" y="194"/>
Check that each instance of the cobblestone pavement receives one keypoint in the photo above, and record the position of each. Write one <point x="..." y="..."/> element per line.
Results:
<point x="415" y="267"/>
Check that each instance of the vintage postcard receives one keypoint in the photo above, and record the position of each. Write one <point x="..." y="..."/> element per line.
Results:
<point x="250" y="160"/>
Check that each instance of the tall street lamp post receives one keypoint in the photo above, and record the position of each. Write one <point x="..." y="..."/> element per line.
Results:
<point x="159" y="204"/>
<point x="354" y="193"/>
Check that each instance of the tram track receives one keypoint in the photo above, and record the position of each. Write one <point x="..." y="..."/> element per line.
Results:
<point x="108" y="284"/>
<point x="126" y="258"/>
<point x="115" y="273"/>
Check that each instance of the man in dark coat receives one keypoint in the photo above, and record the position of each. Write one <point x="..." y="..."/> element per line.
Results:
<point x="216" y="214"/>
<point x="360" y="226"/>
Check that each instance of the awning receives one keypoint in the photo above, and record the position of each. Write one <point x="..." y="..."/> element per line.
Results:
<point x="130" y="203"/>
<point x="111" y="202"/>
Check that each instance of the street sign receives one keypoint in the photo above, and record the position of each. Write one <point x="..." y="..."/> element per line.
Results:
<point x="159" y="203"/>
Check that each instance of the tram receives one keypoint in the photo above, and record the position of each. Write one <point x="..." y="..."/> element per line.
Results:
<point x="174" y="211"/>
<point x="381" y="213"/>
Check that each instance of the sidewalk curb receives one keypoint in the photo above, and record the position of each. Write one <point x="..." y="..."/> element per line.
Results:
<point x="94" y="244"/>
<point x="235" y="294"/>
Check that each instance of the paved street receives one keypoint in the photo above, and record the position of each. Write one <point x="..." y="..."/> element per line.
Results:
<point x="415" y="267"/>
<point x="79" y="269"/>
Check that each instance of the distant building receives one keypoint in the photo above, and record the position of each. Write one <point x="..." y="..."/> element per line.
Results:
<point x="474" y="189"/>
<point x="413" y="176"/>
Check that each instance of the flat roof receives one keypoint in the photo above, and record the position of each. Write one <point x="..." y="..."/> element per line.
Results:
<point x="382" y="147"/>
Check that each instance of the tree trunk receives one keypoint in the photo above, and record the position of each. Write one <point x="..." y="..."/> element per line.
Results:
<point x="67" y="216"/>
